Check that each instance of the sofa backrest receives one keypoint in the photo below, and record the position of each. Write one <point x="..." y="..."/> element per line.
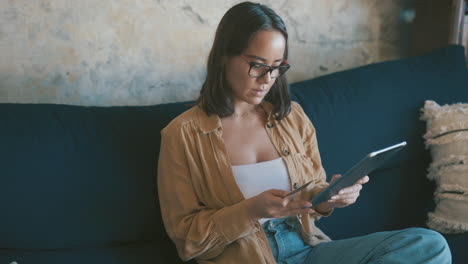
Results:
<point x="364" y="109"/>
<point x="75" y="176"/>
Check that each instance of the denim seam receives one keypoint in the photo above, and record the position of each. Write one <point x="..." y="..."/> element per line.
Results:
<point x="280" y="243"/>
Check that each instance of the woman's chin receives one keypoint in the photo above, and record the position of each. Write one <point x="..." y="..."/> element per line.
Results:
<point x="251" y="99"/>
<point x="255" y="100"/>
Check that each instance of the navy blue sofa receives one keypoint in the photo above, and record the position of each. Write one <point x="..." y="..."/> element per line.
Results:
<point x="78" y="184"/>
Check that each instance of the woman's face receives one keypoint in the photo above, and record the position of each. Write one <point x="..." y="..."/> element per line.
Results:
<point x="266" y="47"/>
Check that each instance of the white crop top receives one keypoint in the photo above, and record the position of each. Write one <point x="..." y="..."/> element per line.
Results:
<point x="256" y="178"/>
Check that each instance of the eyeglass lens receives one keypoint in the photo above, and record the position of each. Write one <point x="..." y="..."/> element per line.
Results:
<point x="257" y="70"/>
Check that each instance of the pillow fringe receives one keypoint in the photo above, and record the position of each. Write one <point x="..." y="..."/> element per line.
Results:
<point x="432" y="110"/>
<point x="448" y="166"/>
<point x="446" y="226"/>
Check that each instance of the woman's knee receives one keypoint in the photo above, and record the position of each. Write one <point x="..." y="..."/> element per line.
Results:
<point x="424" y="232"/>
<point x="431" y="237"/>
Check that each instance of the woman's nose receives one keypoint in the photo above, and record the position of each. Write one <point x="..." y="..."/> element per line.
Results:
<point x="266" y="78"/>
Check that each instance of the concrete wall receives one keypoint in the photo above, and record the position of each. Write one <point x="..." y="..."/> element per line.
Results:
<point x="130" y="52"/>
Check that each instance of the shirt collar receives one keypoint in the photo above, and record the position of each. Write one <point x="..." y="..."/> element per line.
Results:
<point x="209" y="123"/>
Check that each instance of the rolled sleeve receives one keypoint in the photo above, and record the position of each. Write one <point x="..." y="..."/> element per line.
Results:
<point x="240" y="223"/>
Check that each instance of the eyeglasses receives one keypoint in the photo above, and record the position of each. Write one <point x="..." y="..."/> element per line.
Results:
<point x="258" y="70"/>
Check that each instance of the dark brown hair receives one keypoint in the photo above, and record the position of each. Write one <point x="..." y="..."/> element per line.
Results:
<point x="236" y="29"/>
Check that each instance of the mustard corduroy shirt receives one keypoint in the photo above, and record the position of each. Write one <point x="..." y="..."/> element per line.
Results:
<point x="203" y="209"/>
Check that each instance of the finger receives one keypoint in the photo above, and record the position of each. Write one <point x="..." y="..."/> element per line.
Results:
<point x="288" y="200"/>
<point x="334" y="178"/>
<point x="343" y="203"/>
<point x="351" y="189"/>
<point x="348" y="201"/>
<point x="278" y="193"/>
<point x="345" y="196"/>
<point x="363" y="180"/>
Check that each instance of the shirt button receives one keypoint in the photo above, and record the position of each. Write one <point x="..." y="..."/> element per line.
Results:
<point x="285" y="152"/>
<point x="270" y="125"/>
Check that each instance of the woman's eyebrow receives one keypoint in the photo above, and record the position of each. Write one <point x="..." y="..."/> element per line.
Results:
<point x="262" y="59"/>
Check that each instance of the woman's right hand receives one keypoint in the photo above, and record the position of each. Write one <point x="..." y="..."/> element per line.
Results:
<point x="271" y="204"/>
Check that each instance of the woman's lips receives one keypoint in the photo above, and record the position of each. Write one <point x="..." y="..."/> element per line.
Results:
<point x="259" y="92"/>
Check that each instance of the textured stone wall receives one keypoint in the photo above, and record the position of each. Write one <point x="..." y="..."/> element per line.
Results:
<point x="129" y="52"/>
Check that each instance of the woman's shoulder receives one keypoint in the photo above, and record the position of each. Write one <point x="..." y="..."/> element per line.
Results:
<point x="298" y="119"/>
<point x="295" y="106"/>
<point x="296" y="111"/>
<point x="181" y="120"/>
<point x="195" y="118"/>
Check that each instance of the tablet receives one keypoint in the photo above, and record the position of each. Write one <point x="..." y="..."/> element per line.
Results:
<point x="368" y="164"/>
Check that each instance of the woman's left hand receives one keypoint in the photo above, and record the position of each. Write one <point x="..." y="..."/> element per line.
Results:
<point x="344" y="197"/>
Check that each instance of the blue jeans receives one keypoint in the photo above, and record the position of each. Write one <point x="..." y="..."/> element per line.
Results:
<point x="412" y="245"/>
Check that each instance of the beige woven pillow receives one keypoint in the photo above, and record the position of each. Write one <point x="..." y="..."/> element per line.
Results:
<point x="447" y="139"/>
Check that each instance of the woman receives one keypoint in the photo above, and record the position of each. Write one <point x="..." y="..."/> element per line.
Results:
<point x="226" y="165"/>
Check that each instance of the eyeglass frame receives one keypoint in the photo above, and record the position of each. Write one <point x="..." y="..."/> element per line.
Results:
<point x="284" y="64"/>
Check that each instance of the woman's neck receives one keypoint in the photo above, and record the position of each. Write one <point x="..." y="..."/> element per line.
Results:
<point x="244" y="110"/>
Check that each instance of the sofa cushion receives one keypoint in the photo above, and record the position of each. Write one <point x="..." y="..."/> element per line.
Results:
<point x="75" y="176"/>
<point x="458" y="244"/>
<point x="140" y="253"/>
<point x="363" y="109"/>
<point x="447" y="139"/>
